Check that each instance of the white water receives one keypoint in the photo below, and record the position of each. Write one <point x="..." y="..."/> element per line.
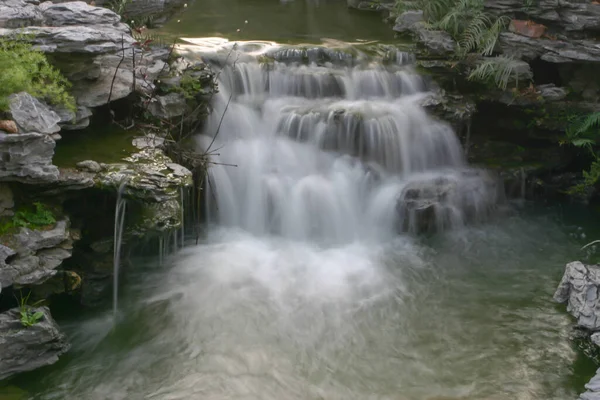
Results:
<point x="117" y="242"/>
<point x="329" y="153"/>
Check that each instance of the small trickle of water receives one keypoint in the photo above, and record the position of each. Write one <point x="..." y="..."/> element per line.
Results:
<point x="117" y="242"/>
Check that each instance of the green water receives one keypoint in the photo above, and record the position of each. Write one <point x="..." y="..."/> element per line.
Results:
<point x="104" y="144"/>
<point x="465" y="315"/>
<point x="298" y="21"/>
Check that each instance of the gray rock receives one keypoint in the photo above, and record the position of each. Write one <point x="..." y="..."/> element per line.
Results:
<point x="6" y="201"/>
<point x="27" y="158"/>
<point x="89" y="165"/>
<point x="19" y="14"/>
<point x="552" y="93"/>
<point x="436" y="43"/>
<point x="408" y="21"/>
<point x="371" y="5"/>
<point x="592" y="388"/>
<point x="168" y="106"/>
<point x="72" y="121"/>
<point x="35" y="255"/>
<point x="579" y="289"/>
<point x="28" y="348"/>
<point x="567" y="15"/>
<point x="555" y="51"/>
<point x="148" y="141"/>
<point x="32" y="115"/>
<point x="147" y="175"/>
<point x="76" y="13"/>
<point x="443" y="201"/>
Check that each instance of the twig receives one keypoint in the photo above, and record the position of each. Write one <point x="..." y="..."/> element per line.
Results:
<point x="590" y="244"/>
<point x="112" y="84"/>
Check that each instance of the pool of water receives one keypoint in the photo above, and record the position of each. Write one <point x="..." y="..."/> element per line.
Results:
<point x="464" y="315"/>
<point x="289" y="21"/>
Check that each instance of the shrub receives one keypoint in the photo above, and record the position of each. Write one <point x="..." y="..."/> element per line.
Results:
<point x="26" y="69"/>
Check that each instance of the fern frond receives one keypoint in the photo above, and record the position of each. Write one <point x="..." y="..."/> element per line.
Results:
<point x="488" y="41"/>
<point x="475" y="33"/>
<point x="499" y="69"/>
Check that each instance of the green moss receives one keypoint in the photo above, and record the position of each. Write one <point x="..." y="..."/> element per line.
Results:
<point x="27" y="70"/>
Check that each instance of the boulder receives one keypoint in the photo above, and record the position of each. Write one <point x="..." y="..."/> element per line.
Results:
<point x="435" y="43"/>
<point x="35" y="255"/>
<point x="27" y="158"/>
<point x="32" y="115"/>
<point x="168" y="106"/>
<point x="72" y="121"/>
<point x="19" y="14"/>
<point x="28" y="348"/>
<point x="438" y="201"/>
<point x="408" y="21"/>
<point x="579" y="289"/>
<point x="554" y="51"/>
<point x="565" y="15"/>
<point x="76" y="13"/>
<point x="592" y="388"/>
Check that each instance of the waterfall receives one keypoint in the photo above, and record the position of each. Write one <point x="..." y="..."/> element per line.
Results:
<point x="334" y="152"/>
<point x="117" y="242"/>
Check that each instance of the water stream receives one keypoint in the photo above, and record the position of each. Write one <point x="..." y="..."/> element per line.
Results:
<point x="309" y="280"/>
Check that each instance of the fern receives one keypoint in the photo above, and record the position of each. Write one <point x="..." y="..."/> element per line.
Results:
<point x="499" y="69"/>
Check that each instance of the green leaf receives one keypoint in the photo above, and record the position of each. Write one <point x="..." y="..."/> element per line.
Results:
<point x="37" y="316"/>
<point x="580" y="142"/>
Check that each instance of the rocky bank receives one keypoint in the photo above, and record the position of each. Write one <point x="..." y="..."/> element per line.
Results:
<point x="115" y="79"/>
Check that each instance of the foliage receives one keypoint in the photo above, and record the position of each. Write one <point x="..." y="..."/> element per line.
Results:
<point x="584" y="132"/>
<point x="28" y="317"/>
<point x="501" y="70"/>
<point x="26" y="69"/>
<point x="118" y="6"/>
<point x="40" y="217"/>
<point x="474" y="31"/>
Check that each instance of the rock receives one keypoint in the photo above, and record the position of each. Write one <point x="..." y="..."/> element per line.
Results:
<point x="19" y="14"/>
<point x="552" y="93"/>
<point x="28" y="348"/>
<point x="27" y="158"/>
<point x="32" y="115"/>
<point x="168" y="106"/>
<point x="89" y="165"/>
<point x="72" y="121"/>
<point x="76" y="13"/>
<point x="565" y="15"/>
<point x="148" y="141"/>
<point x="147" y="177"/>
<point x="436" y="203"/>
<point x="408" y="21"/>
<point x="527" y="28"/>
<point x="35" y="255"/>
<point x="8" y="126"/>
<point x="436" y="43"/>
<point x="592" y="388"/>
<point x="579" y="289"/>
<point x="555" y="51"/>
<point x="6" y="201"/>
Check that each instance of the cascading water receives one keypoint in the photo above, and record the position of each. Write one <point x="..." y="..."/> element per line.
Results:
<point x="334" y="153"/>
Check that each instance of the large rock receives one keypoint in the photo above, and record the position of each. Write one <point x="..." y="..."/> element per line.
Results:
<point x="27" y="348"/>
<point x="435" y="43"/>
<point x="6" y="201"/>
<point x="35" y="254"/>
<point x="32" y="115"/>
<point x="408" y="21"/>
<point x="88" y="44"/>
<point x="76" y="13"/>
<point x="592" y="388"/>
<point x="27" y="158"/>
<point x="436" y="202"/>
<point x="566" y="15"/>
<point x="554" y="51"/>
<point x="579" y="288"/>
<point x="168" y="106"/>
<point x="19" y="14"/>
<point x="73" y="120"/>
